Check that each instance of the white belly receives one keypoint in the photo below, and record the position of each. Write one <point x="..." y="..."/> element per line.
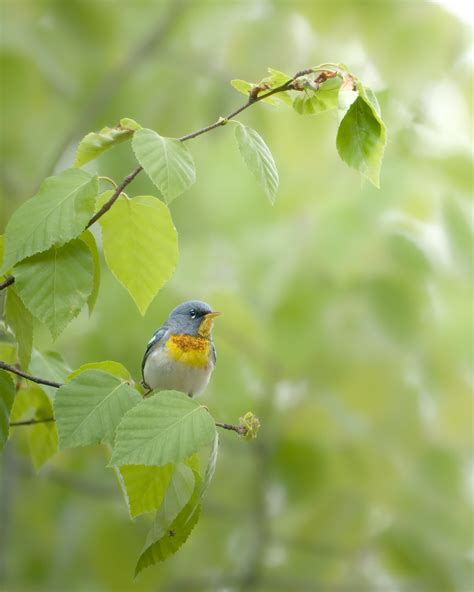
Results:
<point x="162" y="373"/>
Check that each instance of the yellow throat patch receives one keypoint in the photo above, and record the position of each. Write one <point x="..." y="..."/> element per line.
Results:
<point x="190" y="350"/>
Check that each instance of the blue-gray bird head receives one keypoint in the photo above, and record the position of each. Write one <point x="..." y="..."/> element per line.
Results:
<point x="192" y="318"/>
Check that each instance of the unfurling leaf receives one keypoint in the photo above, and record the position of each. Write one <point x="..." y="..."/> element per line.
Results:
<point x="7" y="394"/>
<point x="19" y="318"/>
<point x="167" y="162"/>
<point x="95" y="143"/>
<point x="163" y="429"/>
<point x="258" y="158"/>
<point x="56" y="284"/>
<point x="316" y="101"/>
<point x="361" y="138"/>
<point x="57" y="214"/>
<point x="252" y="424"/>
<point x="140" y="246"/>
<point x="89" y="407"/>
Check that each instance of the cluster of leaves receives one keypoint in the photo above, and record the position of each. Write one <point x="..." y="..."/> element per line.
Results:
<point x="154" y="441"/>
<point x="361" y="136"/>
<point x="54" y="259"/>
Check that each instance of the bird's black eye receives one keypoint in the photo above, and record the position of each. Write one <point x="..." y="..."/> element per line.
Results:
<point x="192" y="314"/>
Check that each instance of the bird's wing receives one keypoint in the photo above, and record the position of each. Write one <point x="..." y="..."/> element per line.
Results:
<point x="213" y="354"/>
<point x="160" y="336"/>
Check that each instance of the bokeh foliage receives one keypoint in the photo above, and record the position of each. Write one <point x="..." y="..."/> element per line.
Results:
<point x="347" y="309"/>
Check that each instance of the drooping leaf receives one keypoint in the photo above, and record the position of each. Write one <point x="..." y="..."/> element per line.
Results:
<point x="167" y="162"/>
<point x="258" y="158"/>
<point x="361" y="139"/>
<point x="51" y="366"/>
<point x="173" y="524"/>
<point x="211" y="465"/>
<point x="58" y="213"/>
<point x="140" y="246"/>
<point x="33" y="403"/>
<point x="165" y="428"/>
<point x="56" y="284"/>
<point x="88" y="238"/>
<point x="313" y="102"/>
<point x="108" y="366"/>
<point x="89" y="407"/>
<point x="7" y="394"/>
<point x="19" y="318"/>
<point x="95" y="143"/>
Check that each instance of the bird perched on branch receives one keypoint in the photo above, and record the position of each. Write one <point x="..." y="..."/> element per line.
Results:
<point x="181" y="355"/>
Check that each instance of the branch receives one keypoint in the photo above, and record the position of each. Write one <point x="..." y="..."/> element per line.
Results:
<point x="36" y="379"/>
<point x="240" y="429"/>
<point x="254" y="97"/>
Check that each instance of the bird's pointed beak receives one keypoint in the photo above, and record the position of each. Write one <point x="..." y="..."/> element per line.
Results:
<point x="207" y="323"/>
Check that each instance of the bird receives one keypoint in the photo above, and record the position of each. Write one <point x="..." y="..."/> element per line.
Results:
<point x="181" y="355"/>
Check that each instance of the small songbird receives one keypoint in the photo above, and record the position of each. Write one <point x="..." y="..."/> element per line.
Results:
<point x="181" y="355"/>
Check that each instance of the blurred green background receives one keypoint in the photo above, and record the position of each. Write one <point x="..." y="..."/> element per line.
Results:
<point x="347" y="321"/>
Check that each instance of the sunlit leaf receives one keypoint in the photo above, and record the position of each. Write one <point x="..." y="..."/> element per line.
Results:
<point x="56" y="284"/>
<point x="19" y="318"/>
<point x="167" y="162"/>
<point x="33" y="403"/>
<point x="313" y="102"/>
<point x="108" y="366"/>
<point x="89" y="407"/>
<point x="258" y="158"/>
<point x="7" y="394"/>
<point x="140" y="246"/>
<point x="145" y="487"/>
<point x="58" y="213"/>
<point x="165" y="428"/>
<point x="95" y="143"/>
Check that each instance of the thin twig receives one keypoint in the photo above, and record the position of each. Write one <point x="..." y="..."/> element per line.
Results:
<point x="240" y="429"/>
<point x="8" y="282"/>
<point x="36" y="379"/>
<point x="31" y="421"/>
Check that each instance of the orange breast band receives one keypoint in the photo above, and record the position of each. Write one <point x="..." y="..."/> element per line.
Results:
<point x="190" y="350"/>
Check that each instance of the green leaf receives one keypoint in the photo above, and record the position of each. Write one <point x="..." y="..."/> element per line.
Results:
<point x="313" y="102"/>
<point x="51" y="366"/>
<point x="173" y="524"/>
<point x="90" y="406"/>
<point x="108" y="366"/>
<point x="242" y="86"/>
<point x="361" y="139"/>
<point x="167" y="162"/>
<point x="57" y="214"/>
<point x="140" y="246"/>
<point x="145" y="487"/>
<point x="165" y="428"/>
<point x="258" y="158"/>
<point x="19" y="319"/>
<point x="7" y="394"/>
<point x="88" y="238"/>
<point x="33" y="403"/>
<point x="276" y="78"/>
<point x="56" y="284"/>
<point x="92" y="145"/>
